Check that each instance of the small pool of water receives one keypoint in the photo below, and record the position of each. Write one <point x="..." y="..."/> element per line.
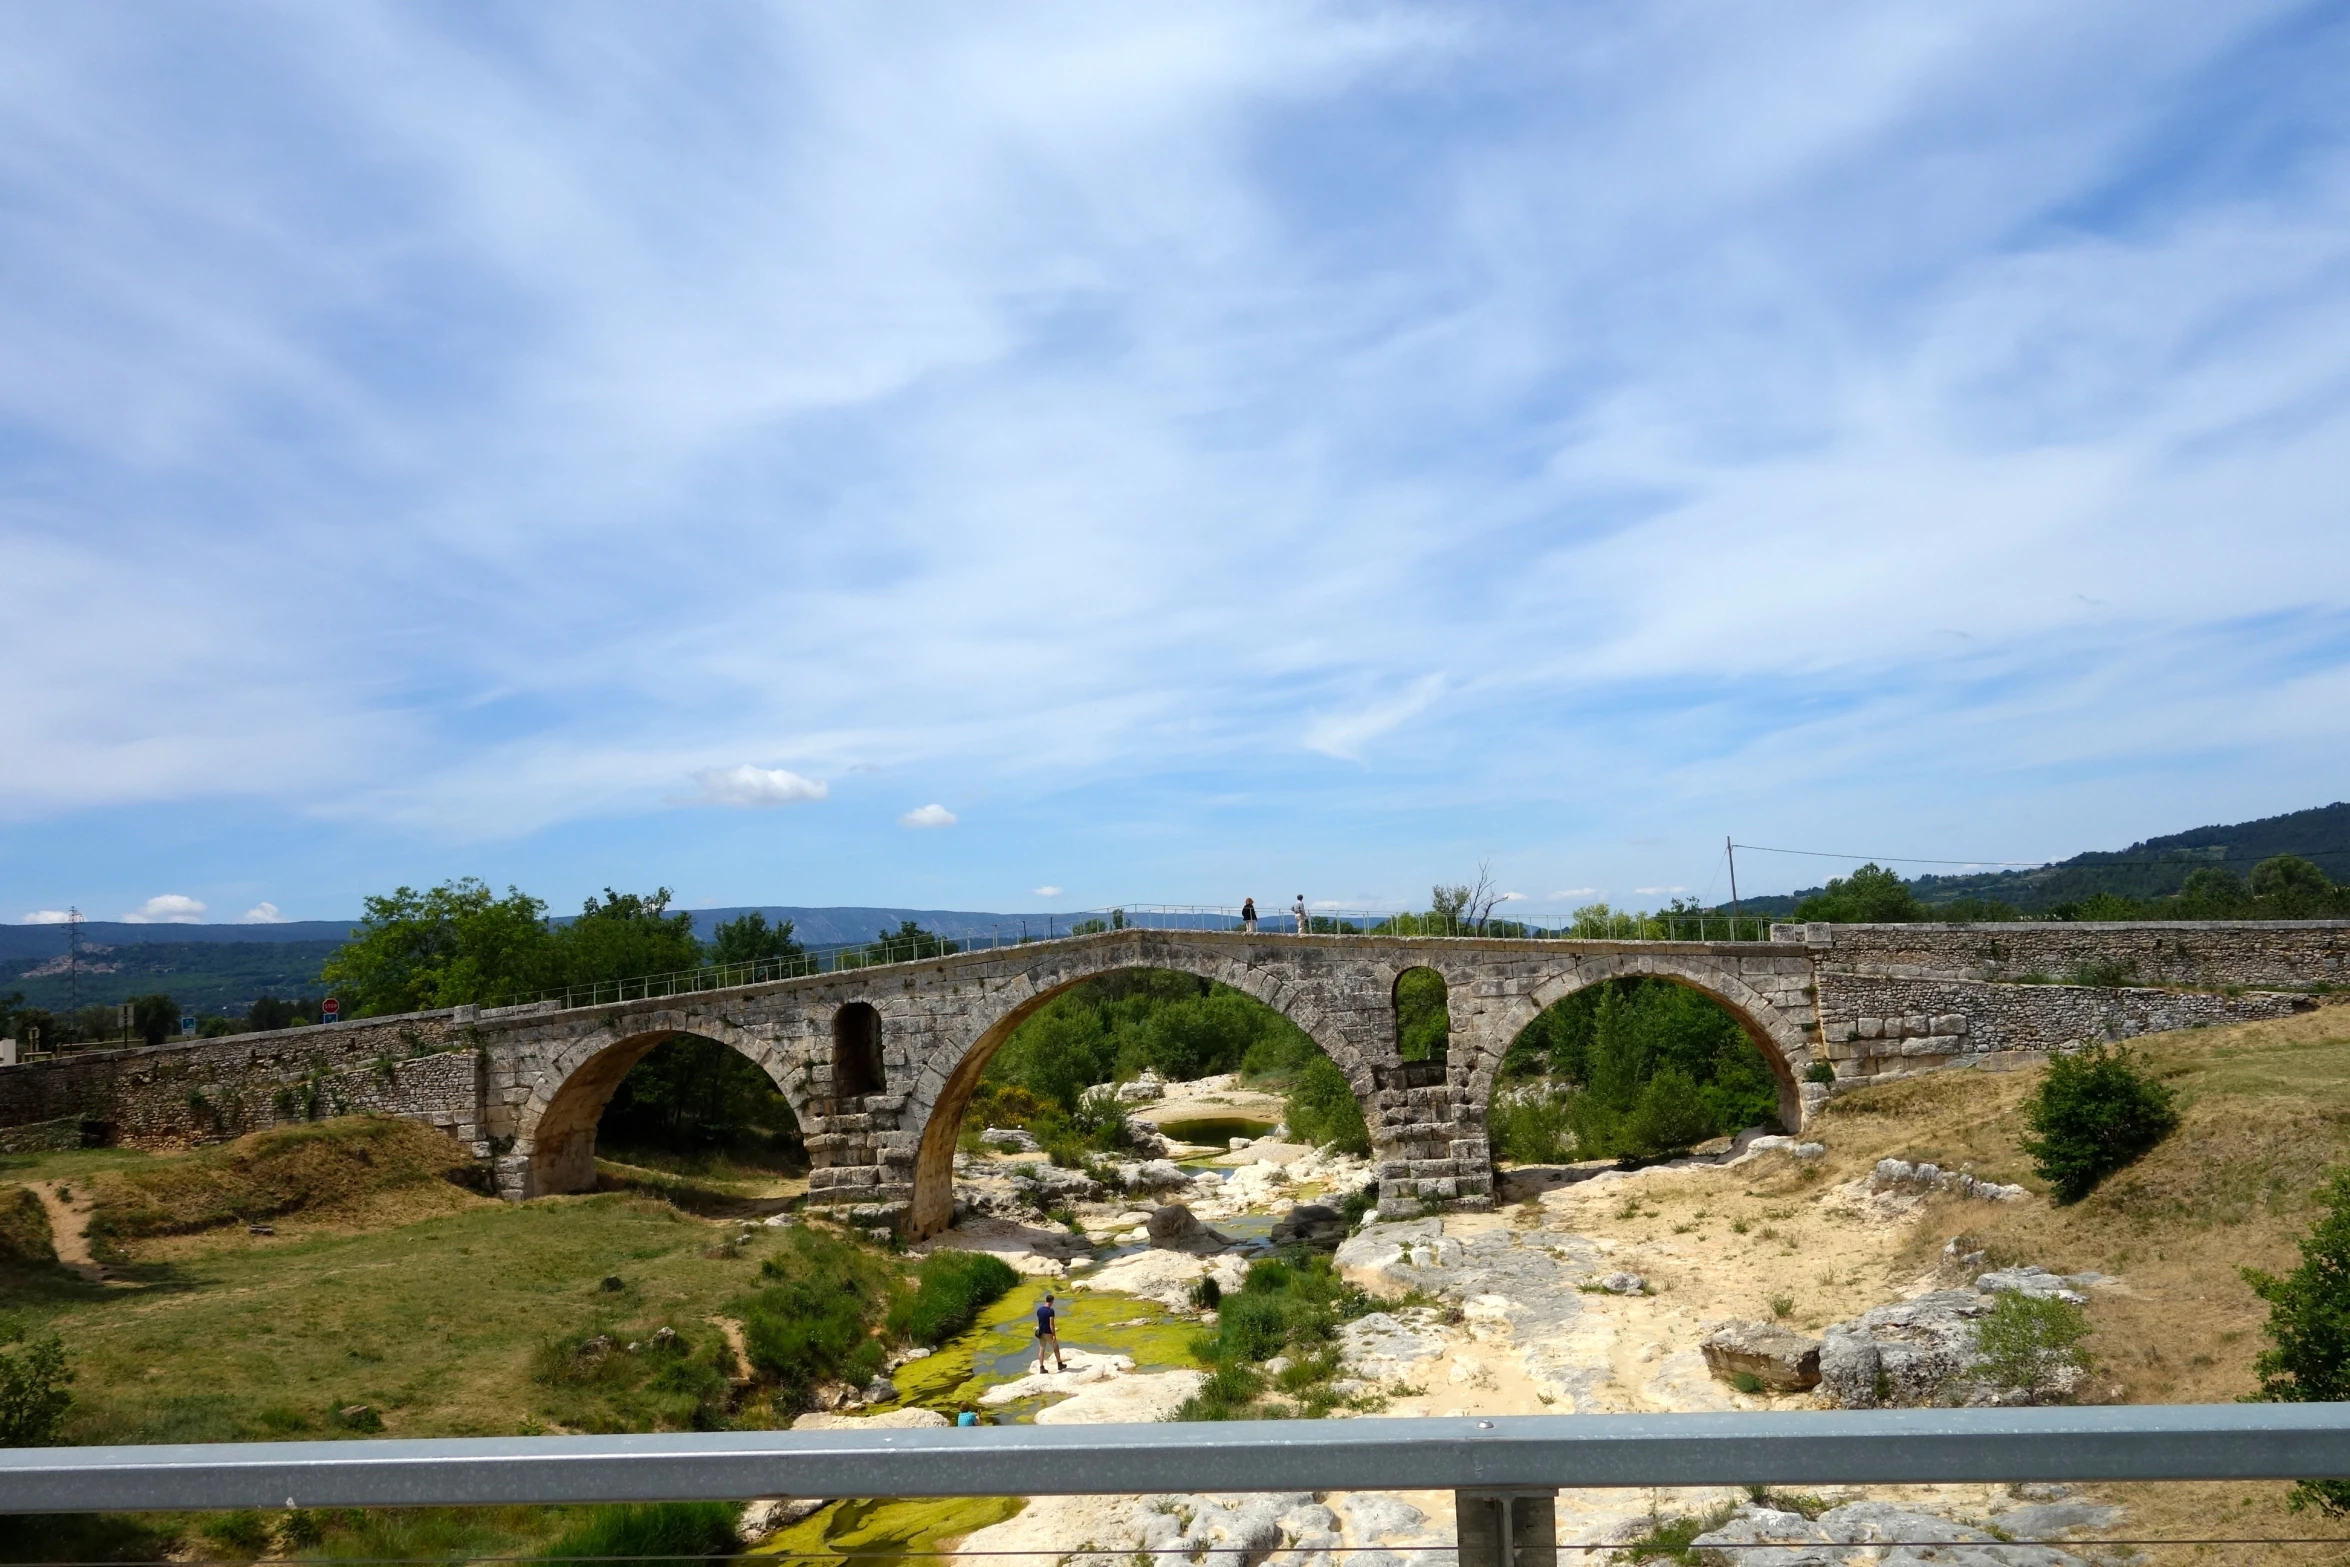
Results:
<point x="1216" y="1131"/>
<point x="1001" y="1346"/>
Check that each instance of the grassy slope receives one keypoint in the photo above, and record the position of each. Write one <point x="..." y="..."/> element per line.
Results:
<point x="2265" y="1113"/>
<point x="434" y="1323"/>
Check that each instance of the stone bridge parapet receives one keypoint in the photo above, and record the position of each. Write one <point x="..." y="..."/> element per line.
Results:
<point x="880" y="1063"/>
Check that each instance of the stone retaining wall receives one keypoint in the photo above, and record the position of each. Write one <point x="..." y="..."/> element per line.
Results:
<point x="1878" y="1027"/>
<point x="174" y="1095"/>
<point x="2285" y="954"/>
<point x="43" y="1136"/>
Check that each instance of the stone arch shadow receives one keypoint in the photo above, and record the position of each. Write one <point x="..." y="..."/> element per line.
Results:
<point x="938" y="1102"/>
<point x="1785" y="1043"/>
<point x="555" y="1129"/>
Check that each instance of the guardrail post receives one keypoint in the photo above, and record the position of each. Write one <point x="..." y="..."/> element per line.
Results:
<point x="1507" y="1528"/>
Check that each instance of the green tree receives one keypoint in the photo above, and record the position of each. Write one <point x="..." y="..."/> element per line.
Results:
<point x="2091" y="1114"/>
<point x="692" y="1093"/>
<point x="1872" y="895"/>
<point x="453" y="945"/>
<point x="2308" y="1329"/>
<point x="2212" y="892"/>
<point x="624" y="935"/>
<point x="155" y="1018"/>
<point x="1321" y="1108"/>
<point x="2288" y="887"/>
<point x="748" y="938"/>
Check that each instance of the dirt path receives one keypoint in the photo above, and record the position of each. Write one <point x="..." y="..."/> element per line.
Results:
<point x="69" y="1231"/>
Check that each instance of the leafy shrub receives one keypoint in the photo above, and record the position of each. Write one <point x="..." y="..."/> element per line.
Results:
<point x="2030" y="1342"/>
<point x="1820" y="1072"/>
<point x="956" y="1286"/>
<point x="1206" y="1293"/>
<point x="1322" y="1109"/>
<point x="33" y="1378"/>
<point x="1532" y="1125"/>
<point x="2308" y="1329"/>
<point x="2105" y="973"/>
<point x="652" y="1533"/>
<point x="815" y="1317"/>
<point x="2092" y="1114"/>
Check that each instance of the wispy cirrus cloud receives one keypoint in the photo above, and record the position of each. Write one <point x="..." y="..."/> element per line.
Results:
<point x="1621" y="463"/>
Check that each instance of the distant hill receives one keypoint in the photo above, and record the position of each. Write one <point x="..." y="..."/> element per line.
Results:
<point x="2153" y="868"/>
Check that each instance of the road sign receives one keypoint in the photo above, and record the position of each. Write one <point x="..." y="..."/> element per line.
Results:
<point x="187" y="1022"/>
<point x="330" y="1009"/>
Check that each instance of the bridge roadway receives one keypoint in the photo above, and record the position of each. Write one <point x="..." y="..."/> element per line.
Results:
<point x="880" y="1063"/>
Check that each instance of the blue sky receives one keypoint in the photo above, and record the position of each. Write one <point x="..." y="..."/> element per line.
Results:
<point x="929" y="454"/>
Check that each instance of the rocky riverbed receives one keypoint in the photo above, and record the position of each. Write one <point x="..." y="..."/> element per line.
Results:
<point x="1743" y="1280"/>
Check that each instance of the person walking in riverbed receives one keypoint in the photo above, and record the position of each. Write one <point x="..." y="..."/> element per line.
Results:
<point x="1300" y="912"/>
<point x="1046" y="1337"/>
<point x="1248" y="915"/>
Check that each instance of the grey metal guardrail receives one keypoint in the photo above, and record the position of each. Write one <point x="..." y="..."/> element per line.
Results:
<point x="1522" y="1454"/>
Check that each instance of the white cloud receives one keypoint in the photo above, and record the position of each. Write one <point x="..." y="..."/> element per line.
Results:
<point x="1046" y="892"/>
<point x="752" y="787"/>
<point x="48" y="917"/>
<point x="932" y="815"/>
<point x="1513" y="897"/>
<point x="170" y="908"/>
<point x="1657" y="892"/>
<point x="1578" y="892"/>
<point x="1344" y="735"/>
<point x="262" y="914"/>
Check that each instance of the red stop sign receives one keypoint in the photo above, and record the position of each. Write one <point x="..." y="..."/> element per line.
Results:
<point x="330" y="1009"/>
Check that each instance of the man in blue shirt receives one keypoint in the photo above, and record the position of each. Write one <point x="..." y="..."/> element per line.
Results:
<point x="1046" y="1338"/>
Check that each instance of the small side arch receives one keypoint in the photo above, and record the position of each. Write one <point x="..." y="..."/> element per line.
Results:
<point x="1784" y="1043"/>
<point x="555" y="1131"/>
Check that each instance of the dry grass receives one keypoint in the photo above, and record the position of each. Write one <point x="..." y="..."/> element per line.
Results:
<point x="332" y="1167"/>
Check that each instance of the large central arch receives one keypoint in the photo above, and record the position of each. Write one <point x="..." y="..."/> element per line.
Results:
<point x="942" y="1097"/>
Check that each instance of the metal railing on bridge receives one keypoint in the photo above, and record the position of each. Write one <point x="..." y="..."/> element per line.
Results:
<point x="1504" y="1471"/>
<point x="910" y="946"/>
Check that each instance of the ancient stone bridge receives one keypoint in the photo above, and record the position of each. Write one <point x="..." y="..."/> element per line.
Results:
<point x="879" y="1063"/>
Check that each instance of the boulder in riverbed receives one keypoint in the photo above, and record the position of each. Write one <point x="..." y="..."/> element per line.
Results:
<point x="1780" y="1358"/>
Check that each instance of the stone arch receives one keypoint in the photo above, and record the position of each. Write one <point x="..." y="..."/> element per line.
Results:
<point x="1785" y="1044"/>
<point x="555" y="1129"/>
<point x="857" y="1068"/>
<point x="939" y="1100"/>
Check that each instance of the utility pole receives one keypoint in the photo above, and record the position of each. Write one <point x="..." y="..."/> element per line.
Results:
<point x="73" y="955"/>
<point x="1731" y="849"/>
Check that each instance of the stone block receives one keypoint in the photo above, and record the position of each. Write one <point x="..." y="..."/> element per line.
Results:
<point x="1869" y="1027"/>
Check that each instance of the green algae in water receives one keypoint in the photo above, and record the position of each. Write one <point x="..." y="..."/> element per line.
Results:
<point x="885" y="1529"/>
<point x="1216" y="1131"/>
<point x="1001" y="1346"/>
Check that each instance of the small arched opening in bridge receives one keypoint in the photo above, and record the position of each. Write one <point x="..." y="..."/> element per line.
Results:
<point x="856" y="1052"/>
<point x="1634" y="1068"/>
<point x="1423" y="1020"/>
<point x="1042" y="1068"/>
<point x="679" y="1104"/>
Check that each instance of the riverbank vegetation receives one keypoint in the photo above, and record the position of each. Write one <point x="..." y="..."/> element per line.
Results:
<point x="1632" y="1069"/>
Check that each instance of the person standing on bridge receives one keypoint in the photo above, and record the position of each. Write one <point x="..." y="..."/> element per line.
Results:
<point x="1248" y="915"/>
<point x="1300" y="912"/>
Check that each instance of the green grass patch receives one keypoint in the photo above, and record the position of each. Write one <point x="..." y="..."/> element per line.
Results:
<point x="818" y="1314"/>
<point x="1289" y="1307"/>
<point x="886" y="1529"/>
<point x="955" y="1287"/>
<point x="25" y="1241"/>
